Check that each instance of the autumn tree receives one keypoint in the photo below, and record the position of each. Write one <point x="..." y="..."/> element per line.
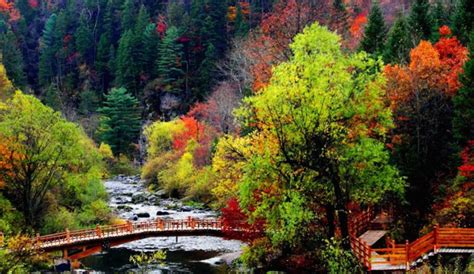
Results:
<point x="310" y="126"/>
<point x="46" y="152"/>
<point x="421" y="97"/>
<point x="120" y="121"/>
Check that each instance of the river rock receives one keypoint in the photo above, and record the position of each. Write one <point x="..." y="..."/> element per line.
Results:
<point x="143" y="215"/>
<point x="162" y="213"/>
<point x="124" y="208"/>
<point x="134" y="217"/>
<point x="185" y="209"/>
<point x="138" y="198"/>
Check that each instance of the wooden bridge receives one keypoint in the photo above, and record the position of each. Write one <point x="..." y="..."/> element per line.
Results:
<point x="79" y="244"/>
<point x="407" y="255"/>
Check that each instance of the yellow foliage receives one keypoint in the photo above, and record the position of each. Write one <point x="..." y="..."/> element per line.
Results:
<point x="106" y="151"/>
<point x="6" y="86"/>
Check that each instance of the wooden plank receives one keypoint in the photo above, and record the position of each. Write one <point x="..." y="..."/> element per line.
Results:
<point x="372" y="236"/>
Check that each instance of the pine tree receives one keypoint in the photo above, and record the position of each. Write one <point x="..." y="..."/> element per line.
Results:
<point x="463" y="120"/>
<point x="102" y="62"/>
<point x="47" y="51"/>
<point x="241" y="25"/>
<point x="125" y="72"/>
<point x="399" y="42"/>
<point x="463" y="21"/>
<point x="169" y="67"/>
<point x="420" y="20"/>
<point x="139" y="57"/>
<point x="84" y="39"/>
<point x="151" y="41"/>
<point x="128" y="15"/>
<point x="120" y="121"/>
<point x="375" y="31"/>
<point x="12" y="58"/>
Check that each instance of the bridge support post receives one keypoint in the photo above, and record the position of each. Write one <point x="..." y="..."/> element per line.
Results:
<point x="65" y="254"/>
<point x="435" y="239"/>
<point x="176" y="239"/>
<point x="98" y="231"/>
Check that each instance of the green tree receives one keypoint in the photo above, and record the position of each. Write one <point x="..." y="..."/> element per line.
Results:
<point x="318" y="143"/>
<point x="128" y="15"/>
<point x="169" y="67"/>
<point x="151" y="42"/>
<point x="84" y="39"/>
<point x="420" y="20"/>
<point x="46" y="152"/>
<point x="375" y="31"/>
<point x="241" y="24"/>
<point x="102" y="63"/>
<point x="47" y="51"/>
<point x="463" y="120"/>
<point x="463" y="20"/>
<point x="399" y="43"/>
<point x="120" y="121"/>
<point x="12" y="58"/>
<point x="125" y="71"/>
<point x="440" y="16"/>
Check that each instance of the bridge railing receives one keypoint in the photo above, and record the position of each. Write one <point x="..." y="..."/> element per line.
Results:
<point x="129" y="228"/>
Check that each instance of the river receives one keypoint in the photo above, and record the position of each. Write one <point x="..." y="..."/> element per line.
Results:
<point x="129" y="199"/>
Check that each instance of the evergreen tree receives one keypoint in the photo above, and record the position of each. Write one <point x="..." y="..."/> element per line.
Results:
<point x="12" y="58"/>
<point x="420" y="20"/>
<point x="399" y="43"/>
<point x="125" y="72"/>
<point x="439" y="15"/>
<point x="463" y="21"/>
<point x="139" y="57"/>
<point x="47" y="51"/>
<point x="463" y="120"/>
<point x="151" y="41"/>
<point x="102" y="62"/>
<point x="128" y="15"/>
<point x="375" y="31"/>
<point x="241" y="25"/>
<point x="169" y="67"/>
<point x="52" y="98"/>
<point x="84" y="39"/>
<point x="120" y="122"/>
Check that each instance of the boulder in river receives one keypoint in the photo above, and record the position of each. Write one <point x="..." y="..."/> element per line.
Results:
<point x="124" y="208"/>
<point x="162" y="213"/>
<point x="185" y="209"/>
<point x="138" y="198"/>
<point x="143" y="215"/>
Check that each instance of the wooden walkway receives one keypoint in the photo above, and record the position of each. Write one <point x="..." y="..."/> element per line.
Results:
<point x="405" y="256"/>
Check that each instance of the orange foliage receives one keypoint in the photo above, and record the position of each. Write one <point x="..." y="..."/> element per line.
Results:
<point x="7" y="159"/>
<point x="452" y="56"/>
<point x="192" y="130"/>
<point x="8" y="8"/>
<point x="431" y="67"/>
<point x="232" y="11"/>
<point x="358" y="25"/>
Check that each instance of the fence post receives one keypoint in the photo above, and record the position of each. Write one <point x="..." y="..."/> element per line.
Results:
<point x="435" y="238"/>
<point x="407" y="255"/>
<point x="68" y="235"/>
<point x="37" y="238"/>
<point x="129" y="226"/>
<point x="98" y="231"/>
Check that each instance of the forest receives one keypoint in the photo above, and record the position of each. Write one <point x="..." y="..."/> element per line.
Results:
<point x="287" y="117"/>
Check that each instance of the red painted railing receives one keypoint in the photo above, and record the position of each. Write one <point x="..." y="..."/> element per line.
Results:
<point x="130" y="228"/>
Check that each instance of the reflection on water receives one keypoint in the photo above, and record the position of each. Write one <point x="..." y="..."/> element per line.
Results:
<point x="178" y="261"/>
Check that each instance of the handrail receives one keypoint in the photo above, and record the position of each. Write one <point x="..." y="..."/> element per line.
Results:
<point x="68" y="237"/>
